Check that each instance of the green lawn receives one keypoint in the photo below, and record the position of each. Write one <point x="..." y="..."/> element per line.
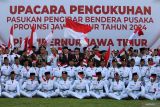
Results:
<point x="70" y="102"/>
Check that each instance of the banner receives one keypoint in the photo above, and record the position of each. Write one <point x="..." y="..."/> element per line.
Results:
<point x="113" y="21"/>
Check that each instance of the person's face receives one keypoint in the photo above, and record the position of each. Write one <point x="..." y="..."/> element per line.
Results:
<point x="48" y="76"/>
<point x="99" y="77"/>
<point x="116" y="77"/>
<point x="53" y="50"/>
<point x="115" y="53"/>
<point x="114" y="63"/>
<point x="90" y="63"/>
<point x="155" y="52"/>
<point x="32" y="77"/>
<point x="153" y="79"/>
<point x="44" y="64"/>
<point x="150" y="62"/>
<point x="76" y="52"/>
<point x="65" y="51"/>
<point x="6" y="61"/>
<point x="7" y="51"/>
<point x="135" y="77"/>
<point x="142" y="63"/>
<point x="81" y="75"/>
<point x="17" y="61"/>
<point x="123" y="62"/>
<point x="71" y="63"/>
<point x="15" y="51"/>
<point x="26" y="63"/>
<point x="64" y="76"/>
<point x="135" y="53"/>
<point x="39" y="65"/>
<point x="12" y="76"/>
<point x="132" y="63"/>
<point x="34" y="64"/>
<point x="43" y="51"/>
<point x="102" y="63"/>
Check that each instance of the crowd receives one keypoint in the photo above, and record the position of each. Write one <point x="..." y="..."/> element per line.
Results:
<point x="77" y="73"/>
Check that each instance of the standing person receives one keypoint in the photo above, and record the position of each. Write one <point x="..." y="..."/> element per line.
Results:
<point x="133" y="68"/>
<point x="117" y="89"/>
<point x="135" y="88"/>
<point x="17" y="68"/>
<point x="12" y="89"/>
<point x="25" y="71"/>
<point x="71" y="70"/>
<point x="143" y="71"/>
<point x="52" y="59"/>
<point x="77" y="56"/>
<point x="29" y="88"/>
<point x="48" y="88"/>
<point x="66" y="56"/>
<point x="124" y="71"/>
<point x="42" y="56"/>
<point x="80" y="87"/>
<point x="5" y="70"/>
<point x="90" y="70"/>
<point x="98" y="87"/>
<point x="112" y="70"/>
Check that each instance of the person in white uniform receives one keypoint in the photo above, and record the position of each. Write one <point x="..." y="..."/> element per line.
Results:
<point x="151" y="88"/>
<point x="29" y="88"/>
<point x="135" y="89"/>
<point x="11" y="89"/>
<point x="17" y="68"/>
<point x="98" y="87"/>
<point x="48" y="87"/>
<point x="71" y="70"/>
<point x="5" y="71"/>
<point x="124" y="71"/>
<point x="80" y="87"/>
<point x="117" y="89"/>
<point x="64" y="85"/>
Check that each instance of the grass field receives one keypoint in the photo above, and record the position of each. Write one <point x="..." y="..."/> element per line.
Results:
<point x="70" y="102"/>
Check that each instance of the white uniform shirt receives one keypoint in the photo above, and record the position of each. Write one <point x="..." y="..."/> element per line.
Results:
<point x="117" y="86"/>
<point x="64" y="85"/>
<point x="80" y="85"/>
<point x="104" y="71"/>
<point x="98" y="86"/>
<point x="89" y="72"/>
<point x="71" y="71"/>
<point x="25" y="71"/>
<point x="54" y="59"/>
<point x="6" y="70"/>
<point x="48" y="85"/>
<point x="12" y="86"/>
<point x="151" y="87"/>
<point x="135" y="86"/>
<point x="30" y="85"/>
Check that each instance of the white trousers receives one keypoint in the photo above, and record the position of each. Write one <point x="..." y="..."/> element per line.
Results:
<point x="97" y="95"/>
<point x="28" y="94"/>
<point x="117" y="96"/>
<point x="47" y="94"/>
<point x="135" y="94"/>
<point x="79" y="95"/>
<point x="10" y="94"/>
<point x="64" y="93"/>
<point x="150" y="96"/>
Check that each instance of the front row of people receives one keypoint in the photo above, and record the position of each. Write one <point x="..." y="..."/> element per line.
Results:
<point x="81" y="87"/>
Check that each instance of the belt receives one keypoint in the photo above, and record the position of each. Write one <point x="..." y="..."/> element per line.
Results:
<point x="117" y="90"/>
<point x="64" y="89"/>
